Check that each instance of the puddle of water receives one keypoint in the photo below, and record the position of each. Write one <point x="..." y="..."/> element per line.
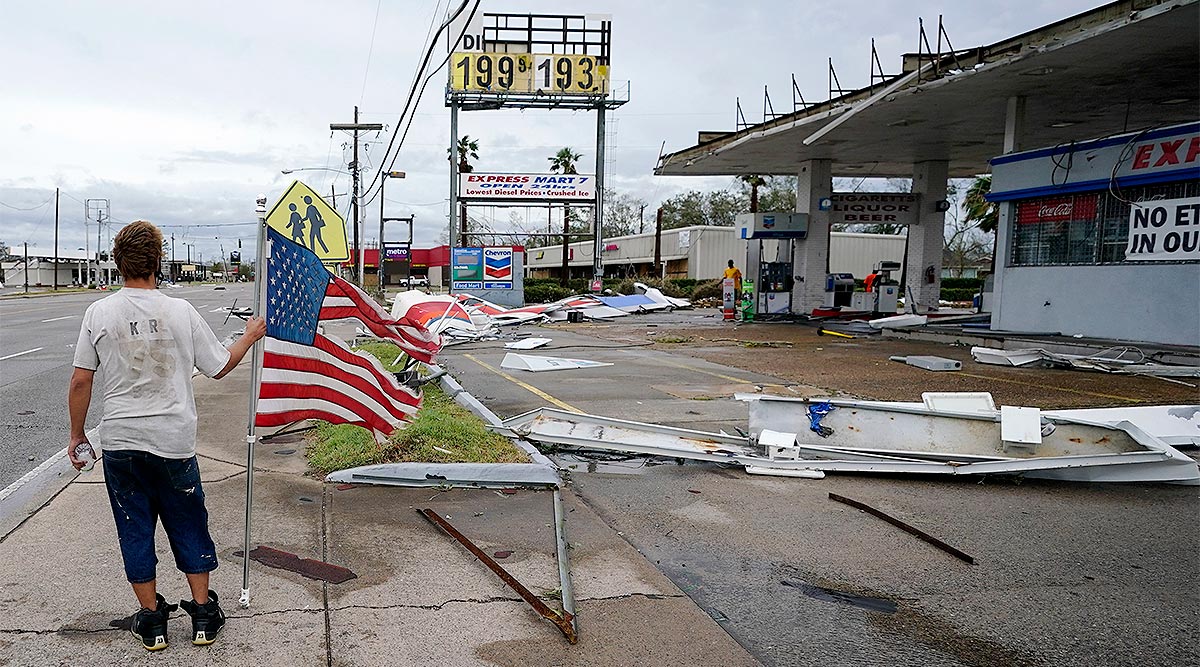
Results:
<point x="839" y="597"/>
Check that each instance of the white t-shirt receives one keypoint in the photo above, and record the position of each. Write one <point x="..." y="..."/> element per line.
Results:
<point x="147" y="343"/>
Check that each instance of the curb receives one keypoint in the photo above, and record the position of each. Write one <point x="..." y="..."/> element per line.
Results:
<point x="25" y="497"/>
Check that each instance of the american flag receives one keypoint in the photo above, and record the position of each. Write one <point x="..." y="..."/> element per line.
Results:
<point x="306" y="375"/>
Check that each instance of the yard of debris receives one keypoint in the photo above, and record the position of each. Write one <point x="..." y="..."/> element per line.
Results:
<point x="1063" y="572"/>
<point x="860" y="367"/>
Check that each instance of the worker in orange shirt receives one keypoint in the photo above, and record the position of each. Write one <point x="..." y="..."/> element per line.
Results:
<point x="869" y="283"/>
<point x="733" y="272"/>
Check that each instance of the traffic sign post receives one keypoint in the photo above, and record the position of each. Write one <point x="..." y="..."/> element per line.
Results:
<point x="304" y="217"/>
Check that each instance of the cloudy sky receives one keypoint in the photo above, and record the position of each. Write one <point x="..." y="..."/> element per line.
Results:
<point x="181" y="113"/>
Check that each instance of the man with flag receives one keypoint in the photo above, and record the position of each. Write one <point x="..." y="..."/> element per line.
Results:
<point x="147" y="344"/>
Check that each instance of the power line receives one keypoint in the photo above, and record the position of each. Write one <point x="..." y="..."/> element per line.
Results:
<point x="412" y="93"/>
<point x="31" y="208"/>
<point x="370" y="49"/>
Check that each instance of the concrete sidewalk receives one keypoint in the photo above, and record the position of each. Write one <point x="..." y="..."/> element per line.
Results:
<point x="418" y="597"/>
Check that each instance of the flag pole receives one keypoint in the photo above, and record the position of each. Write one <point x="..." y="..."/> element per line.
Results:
<point x="260" y="299"/>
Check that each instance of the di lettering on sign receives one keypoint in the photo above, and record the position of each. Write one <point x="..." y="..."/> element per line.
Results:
<point x="1164" y="230"/>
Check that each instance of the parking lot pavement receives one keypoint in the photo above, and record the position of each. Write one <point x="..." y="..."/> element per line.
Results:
<point x="1064" y="574"/>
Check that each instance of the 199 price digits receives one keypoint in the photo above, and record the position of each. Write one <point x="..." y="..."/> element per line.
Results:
<point x="492" y="72"/>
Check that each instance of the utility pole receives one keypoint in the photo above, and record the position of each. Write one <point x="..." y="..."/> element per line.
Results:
<point x="355" y="128"/>
<point x="55" y="270"/>
<point x="27" y="267"/>
<point x="99" y="219"/>
<point x="101" y="208"/>
<point x="658" y="242"/>
<point x="642" y="220"/>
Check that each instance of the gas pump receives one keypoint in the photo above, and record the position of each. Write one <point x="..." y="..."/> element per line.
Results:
<point x="775" y="288"/>
<point x="839" y="290"/>
<point x="885" y="291"/>
<point x="774" y="280"/>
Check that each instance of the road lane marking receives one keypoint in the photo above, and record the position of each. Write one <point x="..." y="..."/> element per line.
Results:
<point x="55" y="319"/>
<point x="528" y="387"/>
<point x="676" y="364"/>
<point x="27" y="310"/>
<point x="20" y="353"/>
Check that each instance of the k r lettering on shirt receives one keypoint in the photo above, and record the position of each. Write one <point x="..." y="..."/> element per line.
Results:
<point x="147" y="343"/>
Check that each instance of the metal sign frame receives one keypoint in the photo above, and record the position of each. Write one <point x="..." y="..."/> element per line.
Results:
<point x="540" y="34"/>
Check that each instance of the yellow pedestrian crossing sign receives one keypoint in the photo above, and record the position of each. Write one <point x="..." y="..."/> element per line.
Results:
<point x="301" y="215"/>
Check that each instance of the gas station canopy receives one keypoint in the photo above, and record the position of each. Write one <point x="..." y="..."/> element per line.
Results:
<point x="1124" y="66"/>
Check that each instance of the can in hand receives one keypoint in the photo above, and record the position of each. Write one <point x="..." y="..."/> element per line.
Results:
<point x="85" y="453"/>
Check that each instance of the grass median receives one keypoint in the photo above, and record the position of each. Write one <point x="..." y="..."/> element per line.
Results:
<point x="442" y="432"/>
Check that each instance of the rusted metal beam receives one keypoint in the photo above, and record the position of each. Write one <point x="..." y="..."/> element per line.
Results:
<point x="563" y="621"/>
<point x="904" y="526"/>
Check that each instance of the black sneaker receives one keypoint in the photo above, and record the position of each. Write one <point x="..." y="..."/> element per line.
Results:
<point x="151" y="626"/>
<point x="207" y="619"/>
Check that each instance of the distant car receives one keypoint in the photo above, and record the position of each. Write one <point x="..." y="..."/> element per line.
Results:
<point x="420" y="281"/>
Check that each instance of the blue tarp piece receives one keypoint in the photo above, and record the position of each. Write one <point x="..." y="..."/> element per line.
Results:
<point x="817" y="412"/>
<point x="626" y="301"/>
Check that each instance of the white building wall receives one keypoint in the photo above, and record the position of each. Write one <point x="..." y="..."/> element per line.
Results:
<point x="1129" y="302"/>
<point x="710" y="248"/>
<point x="858" y="254"/>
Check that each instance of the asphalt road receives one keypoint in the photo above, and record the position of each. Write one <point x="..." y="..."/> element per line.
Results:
<point x="37" y="344"/>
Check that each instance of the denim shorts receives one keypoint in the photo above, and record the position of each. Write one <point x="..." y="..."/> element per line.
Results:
<point x="144" y="488"/>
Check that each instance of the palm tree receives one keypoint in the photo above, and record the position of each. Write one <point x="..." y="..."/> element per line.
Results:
<point x="755" y="182"/>
<point x="978" y="208"/>
<point x="467" y="149"/>
<point x="564" y="161"/>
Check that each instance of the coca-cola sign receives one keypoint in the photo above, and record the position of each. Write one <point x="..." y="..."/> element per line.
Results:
<point x="1057" y="209"/>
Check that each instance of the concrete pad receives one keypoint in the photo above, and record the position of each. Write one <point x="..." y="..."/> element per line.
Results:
<point x="284" y="639"/>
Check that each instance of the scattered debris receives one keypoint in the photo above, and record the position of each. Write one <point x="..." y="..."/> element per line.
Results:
<point x="904" y="526"/>
<point x="536" y="364"/>
<point x="563" y="620"/>
<point x="883" y="437"/>
<point x="527" y="344"/>
<point x="502" y="554"/>
<point x="898" y="321"/>
<point x="1125" y="360"/>
<point x="504" y="476"/>
<point x="929" y="363"/>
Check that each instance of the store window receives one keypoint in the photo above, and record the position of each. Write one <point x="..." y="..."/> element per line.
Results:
<point x="1082" y="229"/>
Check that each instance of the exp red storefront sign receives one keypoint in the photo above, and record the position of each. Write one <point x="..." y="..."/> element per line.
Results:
<point x="1057" y="209"/>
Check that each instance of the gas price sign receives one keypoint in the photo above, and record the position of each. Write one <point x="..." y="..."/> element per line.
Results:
<point x="528" y="73"/>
